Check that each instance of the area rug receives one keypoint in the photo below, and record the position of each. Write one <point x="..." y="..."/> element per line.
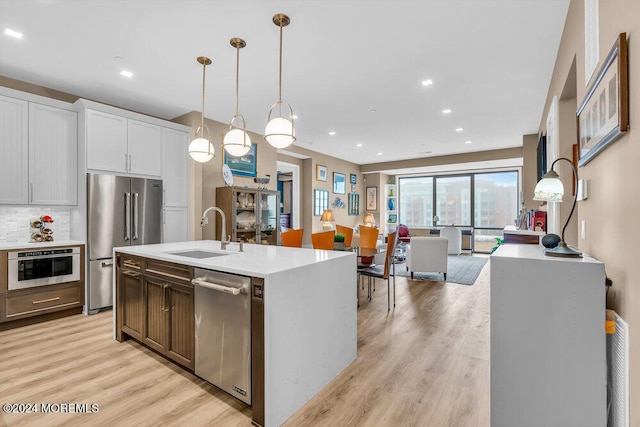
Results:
<point x="463" y="270"/>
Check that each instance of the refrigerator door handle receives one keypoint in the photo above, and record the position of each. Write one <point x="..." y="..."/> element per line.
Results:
<point x="127" y="216"/>
<point x="135" y="216"/>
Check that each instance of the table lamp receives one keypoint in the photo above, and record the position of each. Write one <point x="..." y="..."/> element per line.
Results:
<point x="369" y="220"/>
<point x="327" y="217"/>
<point x="550" y="189"/>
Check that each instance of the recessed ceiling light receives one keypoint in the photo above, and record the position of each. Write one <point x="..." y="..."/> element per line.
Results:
<point x="467" y="142"/>
<point x="12" y="33"/>
<point x="446" y="111"/>
<point x="427" y="82"/>
<point x="358" y="145"/>
<point x="459" y="129"/>
<point x="379" y="154"/>
<point x="126" y="73"/>
<point x="332" y="133"/>
<point x="372" y="110"/>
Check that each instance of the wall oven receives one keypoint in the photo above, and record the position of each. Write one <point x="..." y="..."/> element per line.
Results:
<point x="30" y="268"/>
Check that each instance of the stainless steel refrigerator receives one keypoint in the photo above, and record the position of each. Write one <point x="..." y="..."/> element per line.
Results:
<point x="121" y="211"/>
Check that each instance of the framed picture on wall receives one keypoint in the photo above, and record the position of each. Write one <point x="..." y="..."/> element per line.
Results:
<point x="244" y="165"/>
<point x="372" y="199"/>
<point x="339" y="183"/>
<point x="321" y="173"/>
<point x="353" y="178"/>
<point x="603" y="115"/>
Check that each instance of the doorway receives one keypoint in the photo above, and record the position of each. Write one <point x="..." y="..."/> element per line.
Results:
<point x="289" y="187"/>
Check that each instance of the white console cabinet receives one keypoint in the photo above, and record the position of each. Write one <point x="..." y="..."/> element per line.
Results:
<point x="548" y="343"/>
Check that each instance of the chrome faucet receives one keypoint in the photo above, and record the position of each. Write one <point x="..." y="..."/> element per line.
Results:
<point x="224" y="241"/>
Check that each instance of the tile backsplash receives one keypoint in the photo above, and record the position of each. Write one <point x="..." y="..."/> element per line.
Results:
<point x="15" y="222"/>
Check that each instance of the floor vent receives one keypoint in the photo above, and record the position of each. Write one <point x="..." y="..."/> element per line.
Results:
<point x="618" y="374"/>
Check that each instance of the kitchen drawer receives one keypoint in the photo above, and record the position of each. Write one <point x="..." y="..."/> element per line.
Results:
<point x="170" y="271"/>
<point x="129" y="261"/>
<point x="20" y="304"/>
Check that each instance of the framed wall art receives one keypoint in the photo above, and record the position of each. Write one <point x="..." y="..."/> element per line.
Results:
<point x="244" y="165"/>
<point x="372" y="199"/>
<point x="320" y="201"/>
<point x="353" y="178"/>
<point x="321" y="173"/>
<point x="339" y="183"/>
<point x="354" y="204"/>
<point x="603" y="116"/>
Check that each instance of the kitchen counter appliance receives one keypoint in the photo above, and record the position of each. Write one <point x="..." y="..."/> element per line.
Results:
<point x="31" y="268"/>
<point x="223" y="331"/>
<point x="121" y="211"/>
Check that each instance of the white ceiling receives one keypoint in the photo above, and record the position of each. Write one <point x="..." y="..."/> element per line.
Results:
<point x="490" y="61"/>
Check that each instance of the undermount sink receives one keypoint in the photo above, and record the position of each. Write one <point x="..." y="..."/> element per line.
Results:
<point x="198" y="254"/>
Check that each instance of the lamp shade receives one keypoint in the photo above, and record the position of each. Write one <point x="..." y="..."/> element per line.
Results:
<point x="201" y="150"/>
<point x="549" y="188"/>
<point x="369" y="220"/>
<point x="280" y="132"/>
<point x="327" y="215"/>
<point x="237" y="142"/>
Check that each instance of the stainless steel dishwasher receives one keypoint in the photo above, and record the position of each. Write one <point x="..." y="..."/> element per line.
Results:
<point x="223" y="331"/>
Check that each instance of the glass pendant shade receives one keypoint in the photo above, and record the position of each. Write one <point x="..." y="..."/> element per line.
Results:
<point x="237" y="142"/>
<point x="280" y="132"/>
<point x="549" y="188"/>
<point x="201" y="150"/>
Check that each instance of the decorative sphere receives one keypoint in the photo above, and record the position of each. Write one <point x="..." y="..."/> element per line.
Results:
<point x="237" y="142"/>
<point x="280" y="133"/>
<point x="198" y="150"/>
<point x="550" y="240"/>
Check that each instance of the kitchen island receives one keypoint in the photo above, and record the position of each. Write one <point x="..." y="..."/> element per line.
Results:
<point x="303" y="313"/>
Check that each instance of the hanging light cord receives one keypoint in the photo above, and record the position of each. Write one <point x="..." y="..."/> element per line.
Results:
<point x="280" y="71"/>
<point x="204" y="66"/>
<point x="237" y="79"/>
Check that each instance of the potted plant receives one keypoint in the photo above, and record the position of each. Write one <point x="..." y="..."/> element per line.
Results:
<point x="338" y="241"/>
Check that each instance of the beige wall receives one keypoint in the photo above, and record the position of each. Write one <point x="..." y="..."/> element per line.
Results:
<point x="613" y="175"/>
<point x="529" y="170"/>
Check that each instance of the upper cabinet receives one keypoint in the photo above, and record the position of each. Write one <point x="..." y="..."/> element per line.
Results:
<point x="53" y="155"/>
<point x="39" y="144"/>
<point x="175" y="169"/>
<point x="119" y="144"/>
<point x="14" y="146"/>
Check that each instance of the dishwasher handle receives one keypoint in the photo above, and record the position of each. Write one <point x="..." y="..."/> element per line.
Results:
<point x="201" y="281"/>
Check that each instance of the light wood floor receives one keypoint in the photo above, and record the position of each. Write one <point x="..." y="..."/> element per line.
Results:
<point x="424" y="364"/>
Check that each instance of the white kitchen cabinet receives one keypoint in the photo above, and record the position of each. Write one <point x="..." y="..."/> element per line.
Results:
<point x="106" y="142"/>
<point x="53" y="155"/>
<point x="175" y="225"/>
<point x="144" y="148"/>
<point x="39" y="145"/>
<point x="120" y="144"/>
<point x="175" y="169"/>
<point x="548" y="348"/>
<point x="14" y="162"/>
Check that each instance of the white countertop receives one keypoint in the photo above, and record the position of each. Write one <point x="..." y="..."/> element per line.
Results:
<point x="256" y="260"/>
<point x="25" y="244"/>
<point x="535" y="252"/>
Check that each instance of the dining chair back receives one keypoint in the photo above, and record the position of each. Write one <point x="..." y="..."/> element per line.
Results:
<point x="347" y="232"/>
<point x="384" y="273"/>
<point x="368" y="237"/>
<point x="292" y="238"/>
<point x="323" y="240"/>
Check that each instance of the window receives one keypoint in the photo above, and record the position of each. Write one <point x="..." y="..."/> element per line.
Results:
<point x="485" y="201"/>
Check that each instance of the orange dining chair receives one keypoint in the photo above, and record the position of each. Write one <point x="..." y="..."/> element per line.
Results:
<point x="348" y="234"/>
<point x="374" y="273"/>
<point x="368" y="237"/>
<point x="323" y="240"/>
<point x="292" y="238"/>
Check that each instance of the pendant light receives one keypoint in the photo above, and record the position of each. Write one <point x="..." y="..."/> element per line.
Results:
<point x="237" y="142"/>
<point x="200" y="149"/>
<point x="280" y="132"/>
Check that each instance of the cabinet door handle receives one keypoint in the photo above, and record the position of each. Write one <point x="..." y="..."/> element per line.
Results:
<point x="131" y="273"/>
<point x="45" y="300"/>
<point x="30" y="192"/>
<point x="126" y="162"/>
<point x="164" y="297"/>
<point x="130" y="167"/>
